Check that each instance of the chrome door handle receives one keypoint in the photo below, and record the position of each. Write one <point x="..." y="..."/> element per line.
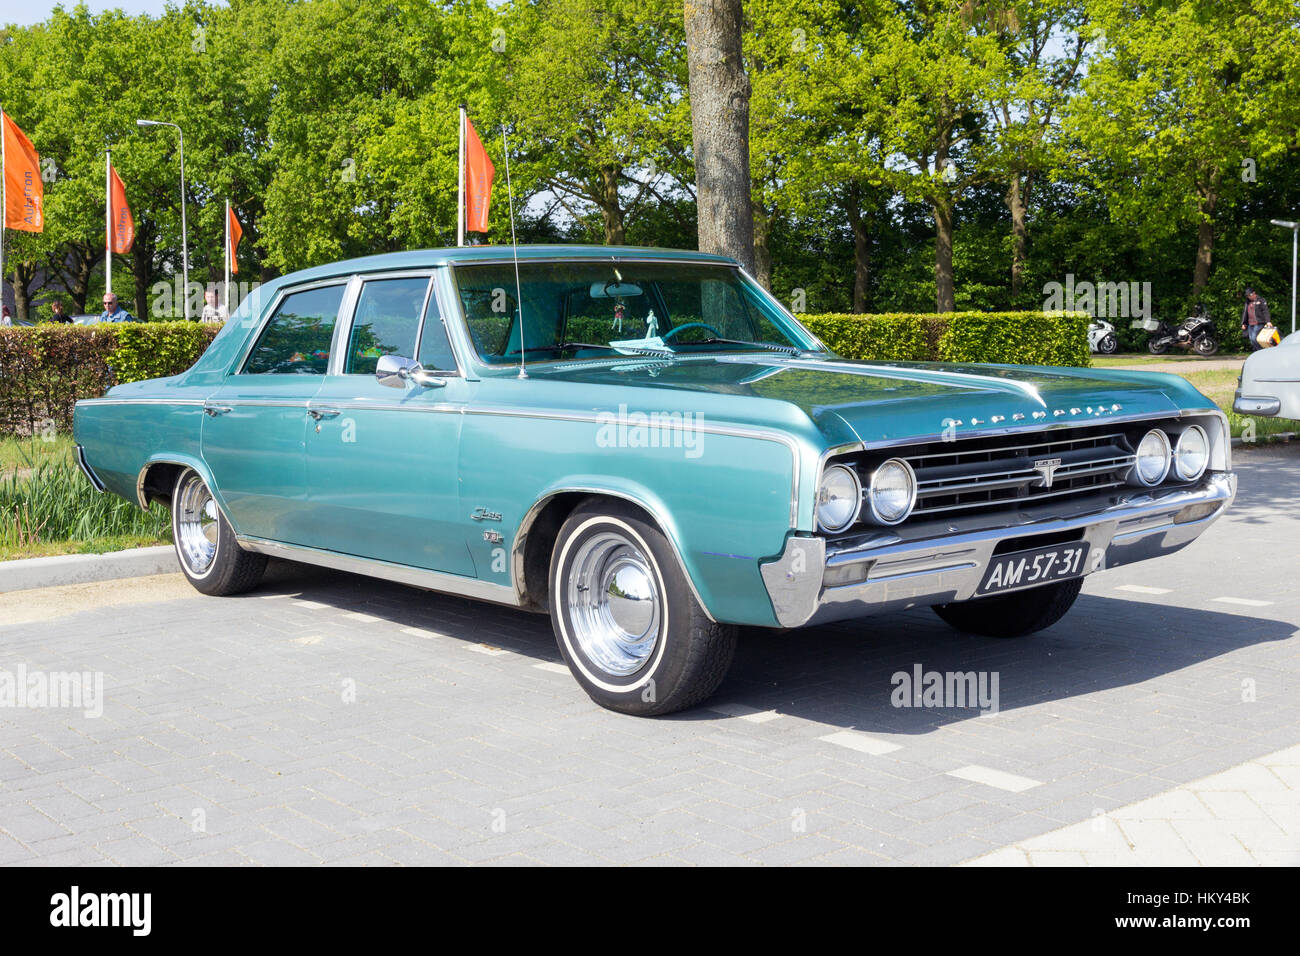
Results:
<point x="319" y="413"/>
<point x="212" y="411"/>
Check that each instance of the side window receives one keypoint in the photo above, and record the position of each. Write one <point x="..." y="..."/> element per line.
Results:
<point x="297" y="339"/>
<point x="435" y="348"/>
<point x="386" y="323"/>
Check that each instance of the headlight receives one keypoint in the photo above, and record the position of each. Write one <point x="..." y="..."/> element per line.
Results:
<point x="1192" y="453"/>
<point x="893" y="491"/>
<point x="1152" y="459"/>
<point x="839" y="498"/>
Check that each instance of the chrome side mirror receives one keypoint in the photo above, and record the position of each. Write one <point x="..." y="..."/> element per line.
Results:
<point x="395" y="371"/>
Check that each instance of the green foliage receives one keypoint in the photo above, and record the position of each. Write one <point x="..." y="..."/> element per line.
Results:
<point x="1014" y="338"/>
<point x="47" y="499"/>
<point x="46" y="369"/>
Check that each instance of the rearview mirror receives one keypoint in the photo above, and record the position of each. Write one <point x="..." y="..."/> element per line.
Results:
<point x="614" y="290"/>
<point x="395" y="371"/>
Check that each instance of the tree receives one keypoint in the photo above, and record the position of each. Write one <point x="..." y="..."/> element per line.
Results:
<point x="720" y="91"/>
<point x="1188" y="101"/>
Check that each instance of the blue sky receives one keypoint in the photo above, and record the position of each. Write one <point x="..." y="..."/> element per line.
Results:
<point x="26" y="12"/>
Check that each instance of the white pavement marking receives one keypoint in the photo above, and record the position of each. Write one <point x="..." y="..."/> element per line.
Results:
<point x="312" y="639"/>
<point x="421" y="632"/>
<point x="364" y="618"/>
<point x="487" y="649"/>
<point x="310" y="605"/>
<point x="1246" y="815"/>
<point x="1244" y="602"/>
<point x="860" y="742"/>
<point x="745" y="713"/>
<point x="995" y="778"/>
<point x="1142" y="589"/>
<point x="552" y="667"/>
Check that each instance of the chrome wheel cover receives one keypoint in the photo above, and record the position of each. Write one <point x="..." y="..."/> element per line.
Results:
<point x="614" y="603"/>
<point x="196" y="525"/>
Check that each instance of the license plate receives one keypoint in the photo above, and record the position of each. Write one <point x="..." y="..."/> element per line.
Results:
<point x="1039" y="566"/>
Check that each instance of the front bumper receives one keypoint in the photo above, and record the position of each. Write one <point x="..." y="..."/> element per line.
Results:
<point x="811" y="583"/>
<point x="1253" y="405"/>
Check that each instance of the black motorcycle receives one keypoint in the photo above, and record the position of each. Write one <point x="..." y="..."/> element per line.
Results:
<point x="1196" y="334"/>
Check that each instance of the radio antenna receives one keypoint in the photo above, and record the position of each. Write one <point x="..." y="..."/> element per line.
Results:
<point x="514" y="246"/>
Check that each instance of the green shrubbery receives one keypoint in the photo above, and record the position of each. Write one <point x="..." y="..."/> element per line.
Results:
<point x="46" y="369"/>
<point x="1014" y="338"/>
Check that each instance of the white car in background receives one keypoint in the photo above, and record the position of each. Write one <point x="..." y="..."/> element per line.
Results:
<point x="1270" y="382"/>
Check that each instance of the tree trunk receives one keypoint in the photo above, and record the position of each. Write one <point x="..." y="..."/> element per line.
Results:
<point x="611" y="212"/>
<point x="23" y="276"/>
<point x="861" y="248"/>
<point x="1204" y="244"/>
<point x="944" y="293"/>
<point x="719" y="92"/>
<point x="1017" y="200"/>
<point x="762" y="249"/>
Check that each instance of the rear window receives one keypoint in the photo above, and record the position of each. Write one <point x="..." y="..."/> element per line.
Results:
<point x="297" y="338"/>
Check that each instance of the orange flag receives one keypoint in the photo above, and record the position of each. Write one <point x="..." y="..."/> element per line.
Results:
<point x="478" y="181"/>
<point x="235" y="234"/>
<point x="120" y="214"/>
<point x="24" y="191"/>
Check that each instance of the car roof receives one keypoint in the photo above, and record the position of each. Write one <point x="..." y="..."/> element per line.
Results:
<point x="425" y="258"/>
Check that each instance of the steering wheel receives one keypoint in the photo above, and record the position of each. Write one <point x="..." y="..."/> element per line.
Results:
<point x="690" y="325"/>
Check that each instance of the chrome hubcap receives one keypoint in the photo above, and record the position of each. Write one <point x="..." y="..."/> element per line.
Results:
<point x="614" y="604"/>
<point x="196" y="525"/>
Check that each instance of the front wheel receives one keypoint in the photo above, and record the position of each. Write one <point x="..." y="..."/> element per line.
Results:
<point x="1012" y="615"/>
<point x="1108" y="345"/>
<point x="210" y="556"/>
<point x="1206" y="345"/>
<point x="626" y="619"/>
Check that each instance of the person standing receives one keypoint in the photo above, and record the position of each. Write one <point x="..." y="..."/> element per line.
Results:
<point x="1254" y="316"/>
<point x="5" y="317"/>
<point x="114" y="312"/>
<point x="212" y="311"/>
<point x="57" y="314"/>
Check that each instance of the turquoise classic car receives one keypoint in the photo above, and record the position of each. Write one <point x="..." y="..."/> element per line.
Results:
<point x="646" y="446"/>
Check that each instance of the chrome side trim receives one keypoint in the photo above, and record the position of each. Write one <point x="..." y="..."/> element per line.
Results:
<point x="388" y="571"/>
<point x="88" y="471"/>
<point x="521" y="536"/>
<point x="140" y="401"/>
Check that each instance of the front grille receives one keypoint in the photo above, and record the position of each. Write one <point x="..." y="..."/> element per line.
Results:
<point x="983" y="477"/>
<point x="979" y="475"/>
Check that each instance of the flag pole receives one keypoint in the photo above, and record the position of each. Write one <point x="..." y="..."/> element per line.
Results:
<point x="226" y="298"/>
<point x="108" y="222"/>
<point x="4" y="207"/>
<point x="460" y="183"/>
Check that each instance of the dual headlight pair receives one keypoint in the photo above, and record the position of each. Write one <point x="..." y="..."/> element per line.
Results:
<point x="890" y="495"/>
<point x="1157" y="456"/>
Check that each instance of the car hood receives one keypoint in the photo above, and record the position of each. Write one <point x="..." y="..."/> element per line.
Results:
<point x="881" y="401"/>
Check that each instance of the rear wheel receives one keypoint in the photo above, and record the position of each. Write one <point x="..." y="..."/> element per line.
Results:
<point x="1012" y="615"/>
<point x="205" y="543"/>
<point x="625" y="618"/>
<point x="1157" y="347"/>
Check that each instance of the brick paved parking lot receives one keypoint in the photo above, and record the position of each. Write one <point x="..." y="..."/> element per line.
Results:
<point x="337" y="719"/>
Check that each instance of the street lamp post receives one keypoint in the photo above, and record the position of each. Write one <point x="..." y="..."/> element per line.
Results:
<point x="185" y="247"/>
<point x="1295" y="230"/>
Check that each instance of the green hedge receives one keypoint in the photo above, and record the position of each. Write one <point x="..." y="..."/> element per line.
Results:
<point x="46" y="369"/>
<point x="1014" y="338"/>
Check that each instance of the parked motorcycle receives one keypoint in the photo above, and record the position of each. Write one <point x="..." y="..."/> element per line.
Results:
<point x="1196" y="334"/>
<point x="1101" y="337"/>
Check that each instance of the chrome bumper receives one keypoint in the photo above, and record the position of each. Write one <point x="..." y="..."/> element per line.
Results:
<point x="811" y="584"/>
<point x="1250" y="405"/>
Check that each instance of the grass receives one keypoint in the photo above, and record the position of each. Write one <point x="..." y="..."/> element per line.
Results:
<point x="1155" y="361"/>
<point x="48" y="507"/>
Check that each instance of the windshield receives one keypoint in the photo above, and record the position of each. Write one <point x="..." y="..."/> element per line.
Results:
<point x="603" y="309"/>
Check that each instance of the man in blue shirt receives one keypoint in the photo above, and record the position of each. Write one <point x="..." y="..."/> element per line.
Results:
<point x="114" y="312"/>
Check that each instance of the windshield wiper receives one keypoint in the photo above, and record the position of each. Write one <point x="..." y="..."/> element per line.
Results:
<point x="561" y="347"/>
<point x="770" y="346"/>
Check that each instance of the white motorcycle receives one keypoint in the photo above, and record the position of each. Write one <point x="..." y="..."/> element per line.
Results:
<point x="1101" y="337"/>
